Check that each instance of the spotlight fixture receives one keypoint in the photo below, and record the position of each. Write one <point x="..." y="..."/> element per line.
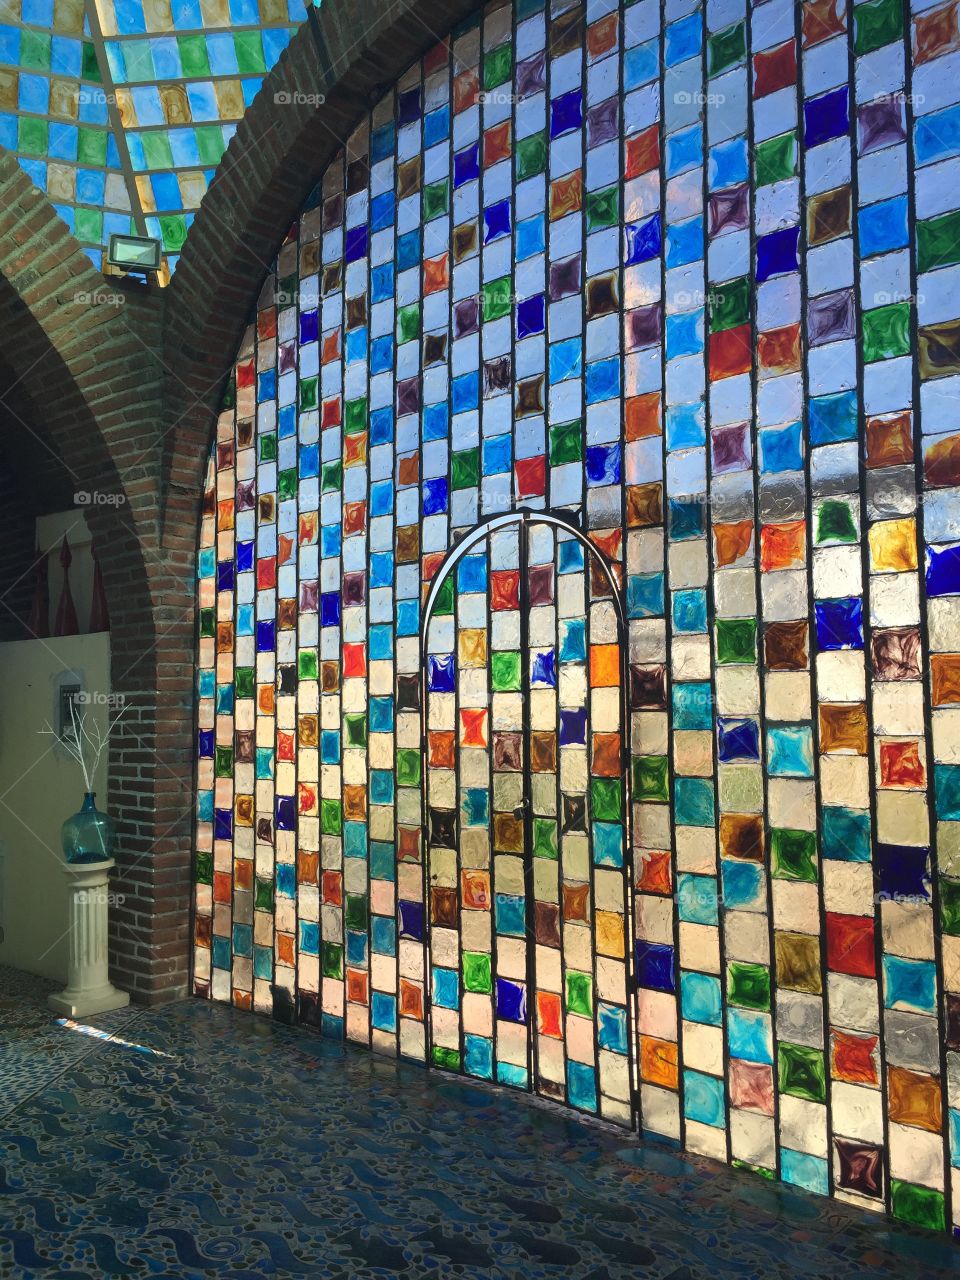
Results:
<point x="134" y="253"/>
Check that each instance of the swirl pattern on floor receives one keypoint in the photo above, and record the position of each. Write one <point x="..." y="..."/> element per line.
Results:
<point x="257" y="1150"/>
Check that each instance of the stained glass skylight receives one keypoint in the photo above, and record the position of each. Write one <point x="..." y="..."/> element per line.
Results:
<point x="119" y="110"/>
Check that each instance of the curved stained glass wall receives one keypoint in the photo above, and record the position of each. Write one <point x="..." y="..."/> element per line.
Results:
<point x="579" y="659"/>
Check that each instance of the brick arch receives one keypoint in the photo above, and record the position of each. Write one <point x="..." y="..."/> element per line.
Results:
<point x="338" y="64"/>
<point x="63" y="361"/>
<point x="79" y="387"/>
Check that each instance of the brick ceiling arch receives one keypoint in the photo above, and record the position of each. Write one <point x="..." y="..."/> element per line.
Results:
<point x="65" y="338"/>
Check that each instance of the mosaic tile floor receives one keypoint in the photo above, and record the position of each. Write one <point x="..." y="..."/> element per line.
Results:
<point x="250" y="1149"/>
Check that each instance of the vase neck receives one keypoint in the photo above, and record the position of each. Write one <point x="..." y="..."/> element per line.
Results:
<point x="89" y="799"/>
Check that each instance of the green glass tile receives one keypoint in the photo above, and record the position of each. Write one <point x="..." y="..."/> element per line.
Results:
<point x="32" y="136"/>
<point x="465" y="469"/>
<point x="308" y="393"/>
<point x="268" y="447"/>
<point x="331" y="477"/>
<point x="922" y="1206"/>
<point x="606" y="799"/>
<point x="92" y="147"/>
<point x="287" y="484"/>
<point x="876" y="23"/>
<point x="950" y="906"/>
<point x="208" y="622"/>
<point x="736" y="640"/>
<point x="801" y="1073"/>
<point x="288" y="289"/>
<point x="545" y="838"/>
<point x="603" y="208"/>
<point x="263" y="895"/>
<point x="210" y="144"/>
<point x="229" y="398"/>
<point x="307" y="664"/>
<point x="355" y="911"/>
<point x="531" y="155"/>
<point x="775" y="159"/>
<point x="498" y="66"/>
<point x="748" y="985"/>
<point x="758" y="1169"/>
<point x="244" y="682"/>
<point x="355" y="416"/>
<point x="156" y="150"/>
<point x="497" y="299"/>
<point x="448" y="1059"/>
<point x="725" y="49"/>
<point x="794" y="854"/>
<point x="741" y="788"/>
<point x="89" y="67"/>
<point x="650" y="778"/>
<point x="331" y="817"/>
<point x="223" y="762"/>
<point x="88" y="226"/>
<point x="886" y="332"/>
<point x="408" y="322"/>
<point x="173" y="231"/>
<point x="193" y="55"/>
<point x="138" y="60"/>
<point x="443" y="605"/>
<point x="34" y="50"/>
<point x="408" y="767"/>
<point x="436" y="200"/>
<point x="477" y="974"/>
<point x="355" y="729"/>
<point x="730" y="304"/>
<point x="938" y="241"/>
<point x="505" y="671"/>
<point x="204" y="868"/>
<point x="566" y="443"/>
<point x="248" y="46"/>
<point x="579" y="987"/>
<point x="331" y="959"/>
<point x="835" y="523"/>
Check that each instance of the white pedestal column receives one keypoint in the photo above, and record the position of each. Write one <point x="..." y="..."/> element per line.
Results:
<point x="88" y="988"/>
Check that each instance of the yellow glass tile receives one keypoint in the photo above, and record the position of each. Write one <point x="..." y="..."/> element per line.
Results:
<point x="63" y="97"/>
<point x="145" y="192"/>
<point x="230" y="102"/>
<point x="8" y="90"/>
<point x="157" y="15"/>
<point x="68" y="17"/>
<point x="61" y="181"/>
<point x="893" y="546"/>
<point x="176" y="108"/>
<point x="128" y="112"/>
<point x="105" y="12"/>
<point x="216" y="13"/>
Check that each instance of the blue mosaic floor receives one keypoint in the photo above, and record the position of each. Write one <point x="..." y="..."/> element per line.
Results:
<point x="255" y="1150"/>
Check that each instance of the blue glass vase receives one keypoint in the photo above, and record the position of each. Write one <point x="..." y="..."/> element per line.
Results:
<point x="89" y="835"/>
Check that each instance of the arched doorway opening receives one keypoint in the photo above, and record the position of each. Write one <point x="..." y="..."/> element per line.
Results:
<point x="526" y="816"/>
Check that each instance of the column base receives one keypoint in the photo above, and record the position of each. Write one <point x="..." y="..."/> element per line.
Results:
<point x="82" y="1004"/>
